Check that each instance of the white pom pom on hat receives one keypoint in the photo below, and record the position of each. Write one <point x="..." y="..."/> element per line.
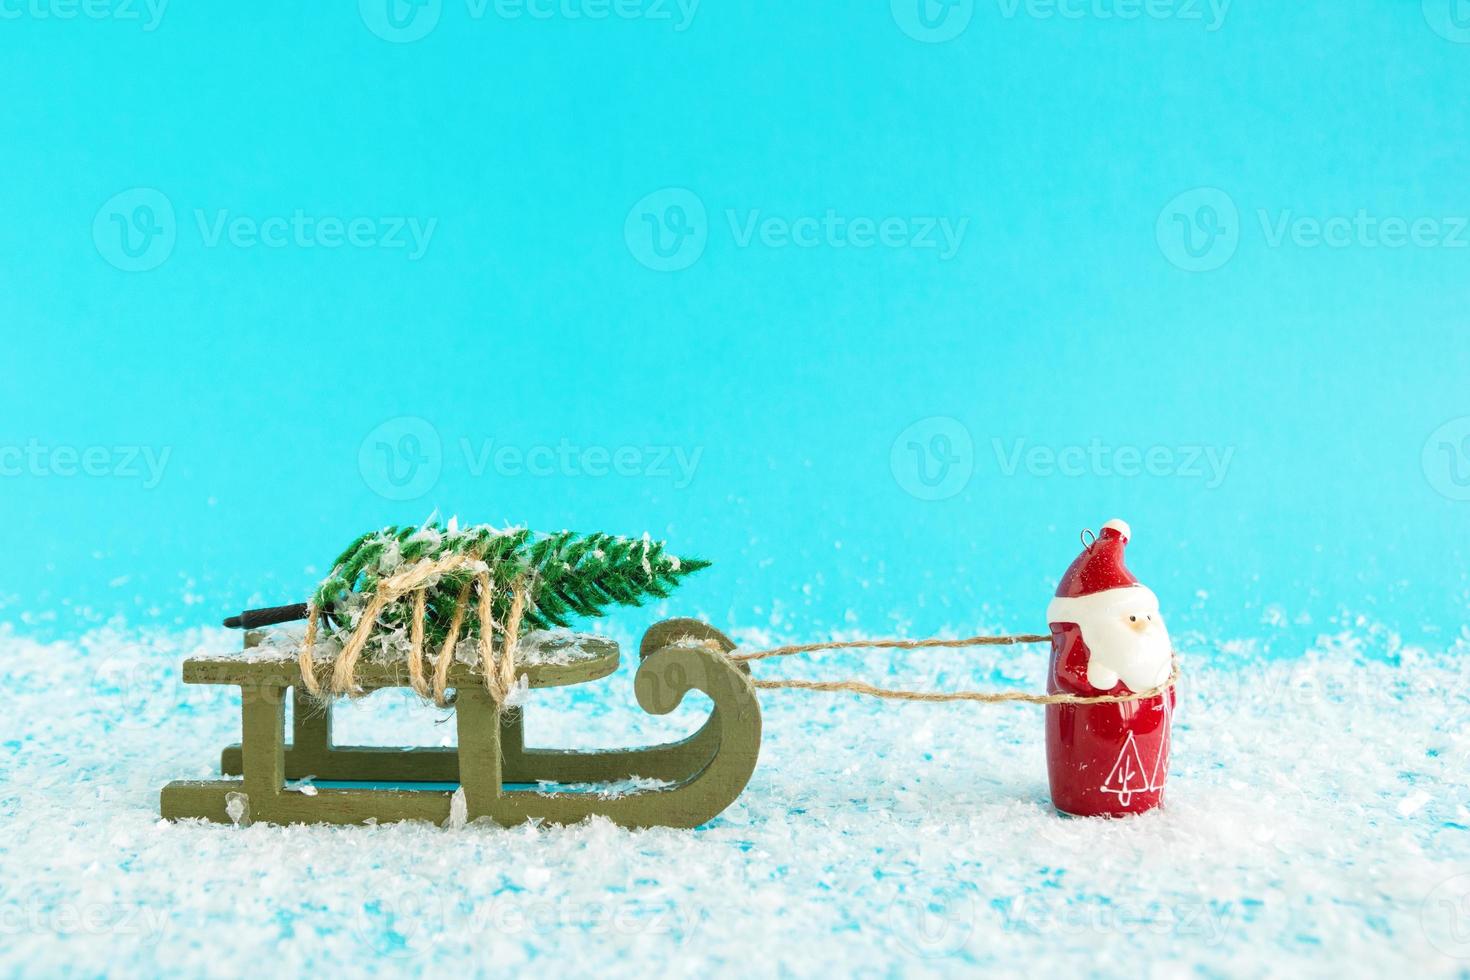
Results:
<point x="1121" y="526"/>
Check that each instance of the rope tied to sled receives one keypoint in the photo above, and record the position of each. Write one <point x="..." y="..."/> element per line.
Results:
<point x="984" y="697"/>
<point x="497" y="668"/>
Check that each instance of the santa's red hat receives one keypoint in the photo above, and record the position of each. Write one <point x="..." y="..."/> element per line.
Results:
<point x="1099" y="569"/>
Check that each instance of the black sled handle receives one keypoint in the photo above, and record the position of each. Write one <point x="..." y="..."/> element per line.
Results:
<point x="255" y="618"/>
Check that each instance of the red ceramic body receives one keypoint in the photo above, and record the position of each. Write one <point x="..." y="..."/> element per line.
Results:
<point x="1103" y="759"/>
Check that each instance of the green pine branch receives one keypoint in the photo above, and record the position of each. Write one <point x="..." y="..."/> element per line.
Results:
<point x="569" y="575"/>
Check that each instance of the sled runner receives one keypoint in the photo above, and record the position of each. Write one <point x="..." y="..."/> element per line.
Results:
<point x="491" y="766"/>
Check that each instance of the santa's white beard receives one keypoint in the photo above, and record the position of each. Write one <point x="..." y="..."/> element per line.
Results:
<point x="1116" y="652"/>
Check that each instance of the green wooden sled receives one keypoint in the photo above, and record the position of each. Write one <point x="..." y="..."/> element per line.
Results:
<point x="708" y="770"/>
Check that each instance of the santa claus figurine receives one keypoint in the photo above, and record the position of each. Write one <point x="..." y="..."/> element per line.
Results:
<point x="1107" y="637"/>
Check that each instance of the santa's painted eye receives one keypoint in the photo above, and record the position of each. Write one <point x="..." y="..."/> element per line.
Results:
<point x="1132" y="619"/>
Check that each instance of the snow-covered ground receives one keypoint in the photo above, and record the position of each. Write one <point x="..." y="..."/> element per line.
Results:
<point x="1318" y="823"/>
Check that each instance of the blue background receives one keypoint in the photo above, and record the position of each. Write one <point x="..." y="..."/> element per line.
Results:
<point x="1070" y="313"/>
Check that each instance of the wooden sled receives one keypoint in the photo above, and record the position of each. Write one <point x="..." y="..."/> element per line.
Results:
<point x="708" y="770"/>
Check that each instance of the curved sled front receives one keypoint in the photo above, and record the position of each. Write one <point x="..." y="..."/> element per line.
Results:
<point x="723" y="754"/>
<point x="672" y="761"/>
<point x="697" y="777"/>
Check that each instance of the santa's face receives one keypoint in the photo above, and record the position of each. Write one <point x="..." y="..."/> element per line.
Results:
<point x="1127" y="641"/>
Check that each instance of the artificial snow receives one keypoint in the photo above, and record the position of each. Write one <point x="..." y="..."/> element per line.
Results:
<point x="1318" y="820"/>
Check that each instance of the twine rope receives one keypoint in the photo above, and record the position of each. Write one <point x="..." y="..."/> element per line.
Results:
<point x="497" y="669"/>
<point x="969" y="641"/>
<point x="984" y="697"/>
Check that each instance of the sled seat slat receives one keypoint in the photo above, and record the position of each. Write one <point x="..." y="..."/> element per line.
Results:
<point x="595" y="658"/>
